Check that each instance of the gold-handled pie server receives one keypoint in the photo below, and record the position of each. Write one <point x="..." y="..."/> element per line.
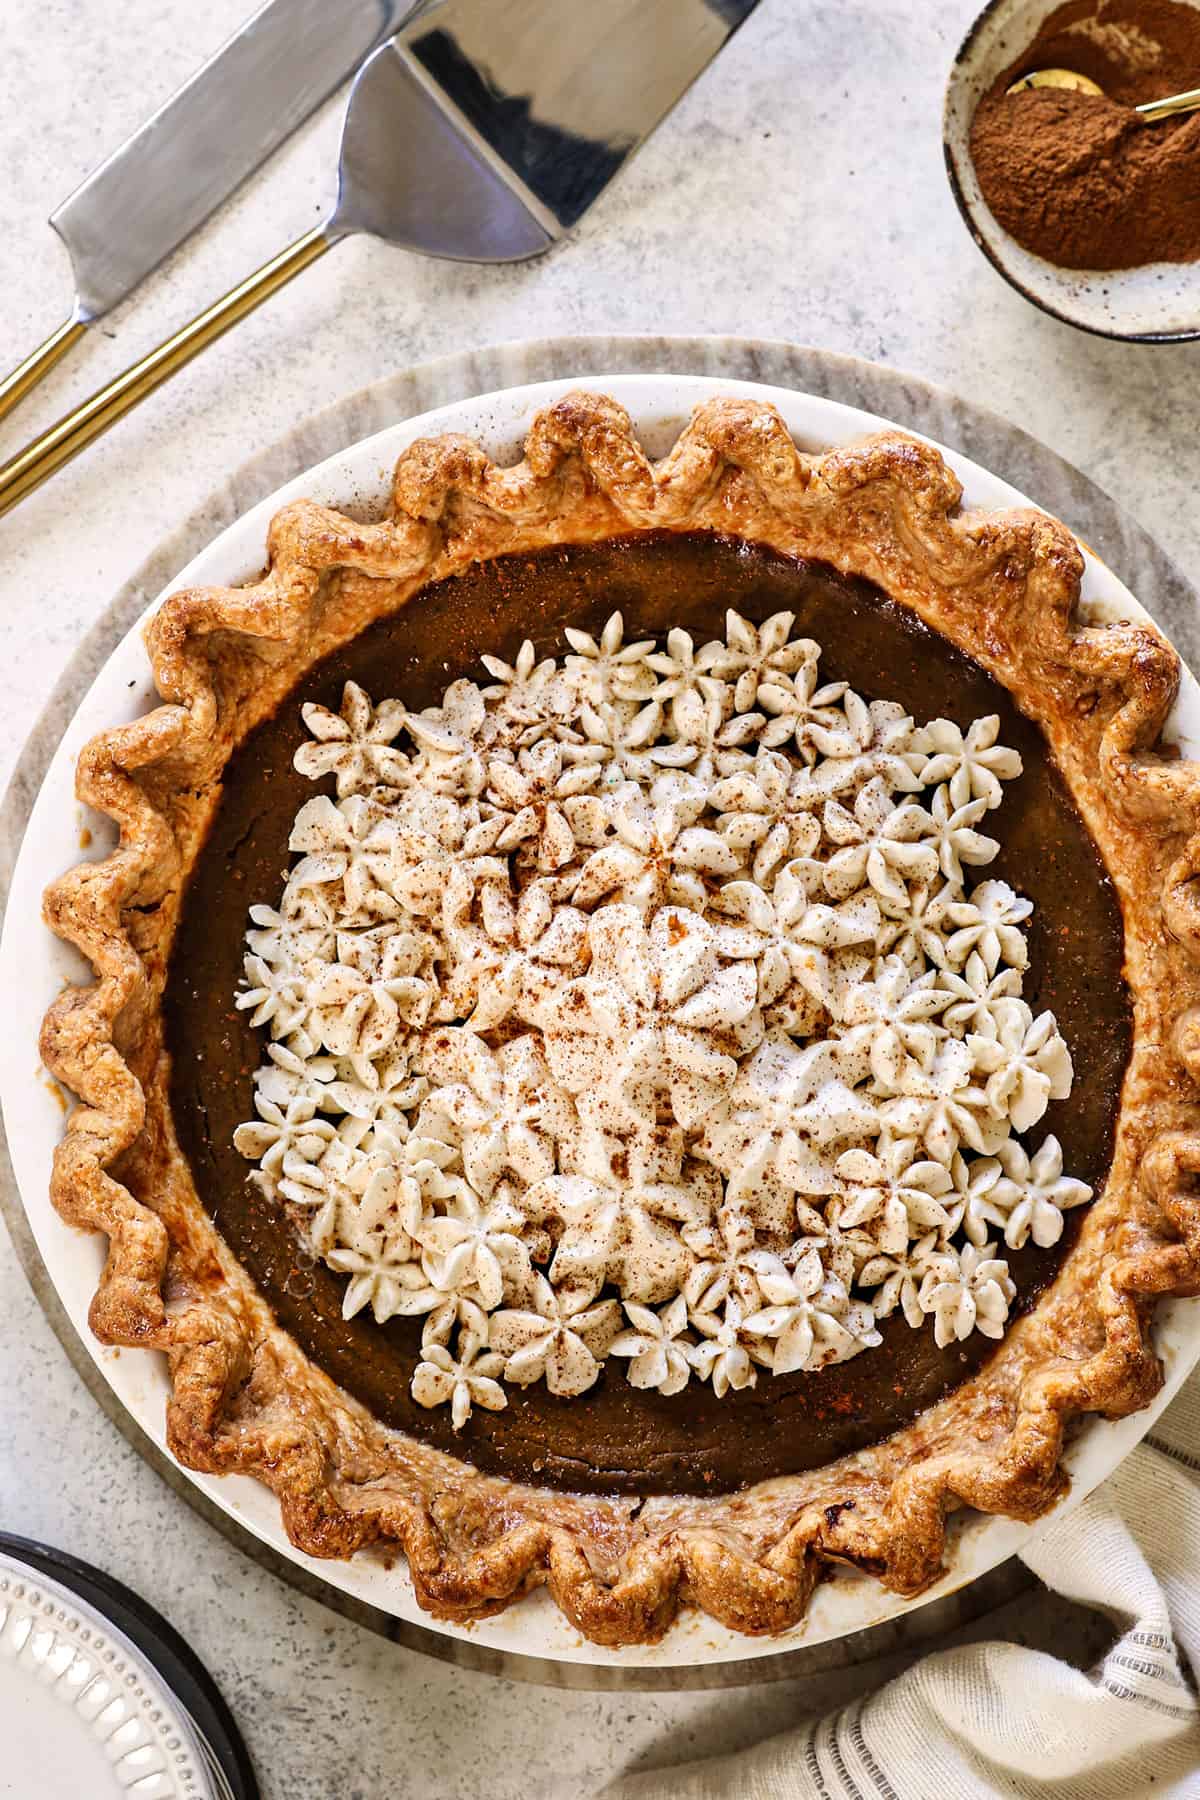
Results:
<point x="483" y="137"/>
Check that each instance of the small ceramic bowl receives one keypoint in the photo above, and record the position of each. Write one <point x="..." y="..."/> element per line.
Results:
<point x="1156" y="304"/>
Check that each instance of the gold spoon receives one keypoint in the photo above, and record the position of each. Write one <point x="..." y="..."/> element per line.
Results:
<point x="1083" y="84"/>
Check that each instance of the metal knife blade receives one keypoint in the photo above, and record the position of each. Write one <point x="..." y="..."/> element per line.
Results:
<point x="212" y="133"/>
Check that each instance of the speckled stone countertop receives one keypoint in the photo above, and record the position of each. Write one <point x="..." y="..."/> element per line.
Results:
<point x="796" y="194"/>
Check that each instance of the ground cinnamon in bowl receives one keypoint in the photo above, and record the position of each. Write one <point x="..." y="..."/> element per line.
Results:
<point x="1080" y="179"/>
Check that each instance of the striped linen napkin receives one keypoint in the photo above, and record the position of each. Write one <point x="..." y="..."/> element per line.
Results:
<point x="997" y="1718"/>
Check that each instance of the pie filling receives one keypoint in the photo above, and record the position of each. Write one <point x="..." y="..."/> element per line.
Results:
<point x="668" y="1056"/>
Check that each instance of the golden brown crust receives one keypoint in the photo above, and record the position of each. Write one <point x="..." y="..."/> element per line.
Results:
<point x="1005" y="588"/>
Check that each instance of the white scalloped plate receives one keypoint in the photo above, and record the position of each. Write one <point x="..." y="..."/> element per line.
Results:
<point x="34" y="967"/>
<point x="81" y="1714"/>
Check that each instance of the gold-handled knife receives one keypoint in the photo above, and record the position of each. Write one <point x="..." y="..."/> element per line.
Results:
<point x="165" y="180"/>
<point x="483" y="138"/>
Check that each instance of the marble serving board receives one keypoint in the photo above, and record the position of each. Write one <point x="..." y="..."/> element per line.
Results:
<point x="983" y="436"/>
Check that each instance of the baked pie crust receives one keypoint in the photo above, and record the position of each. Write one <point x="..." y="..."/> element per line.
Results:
<point x="1004" y="588"/>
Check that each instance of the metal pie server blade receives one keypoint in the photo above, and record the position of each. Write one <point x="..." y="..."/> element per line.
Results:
<point x="482" y="141"/>
<point x="551" y="113"/>
<point x="214" y="131"/>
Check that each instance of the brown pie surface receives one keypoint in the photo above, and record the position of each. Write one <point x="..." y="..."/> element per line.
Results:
<point x="628" y="1502"/>
<point x="616" y="1438"/>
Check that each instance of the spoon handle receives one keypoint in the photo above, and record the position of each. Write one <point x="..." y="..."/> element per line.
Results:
<point x="1174" y="103"/>
<point x="47" y="453"/>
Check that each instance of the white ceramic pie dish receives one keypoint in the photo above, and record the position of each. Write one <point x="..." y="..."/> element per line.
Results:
<point x="33" y="966"/>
